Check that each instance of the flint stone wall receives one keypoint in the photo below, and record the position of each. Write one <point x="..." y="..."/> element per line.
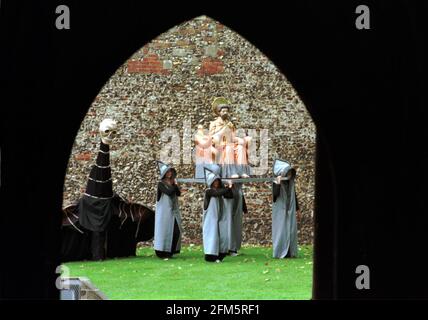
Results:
<point x="170" y="84"/>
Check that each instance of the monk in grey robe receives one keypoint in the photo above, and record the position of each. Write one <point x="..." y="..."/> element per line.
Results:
<point x="234" y="210"/>
<point x="284" y="226"/>
<point x="168" y="230"/>
<point x="214" y="225"/>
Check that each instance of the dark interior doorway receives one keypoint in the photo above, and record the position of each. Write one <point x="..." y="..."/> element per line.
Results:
<point x="364" y="90"/>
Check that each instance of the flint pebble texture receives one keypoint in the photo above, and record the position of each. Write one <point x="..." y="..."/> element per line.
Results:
<point x="160" y="95"/>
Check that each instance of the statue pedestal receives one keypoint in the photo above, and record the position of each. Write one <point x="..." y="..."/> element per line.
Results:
<point x="226" y="170"/>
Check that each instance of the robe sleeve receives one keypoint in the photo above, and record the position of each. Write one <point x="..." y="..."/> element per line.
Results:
<point x="158" y="193"/>
<point x="207" y="199"/>
<point x="229" y="193"/>
<point x="177" y="190"/>
<point x="168" y="190"/>
<point x="220" y="192"/>
<point x="276" y="189"/>
<point x="244" y="205"/>
<point x="217" y="192"/>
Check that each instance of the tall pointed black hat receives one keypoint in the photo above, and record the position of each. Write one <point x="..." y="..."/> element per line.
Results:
<point x="100" y="184"/>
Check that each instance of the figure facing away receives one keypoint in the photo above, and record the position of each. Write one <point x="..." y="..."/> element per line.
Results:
<point x="230" y="151"/>
<point x="101" y="224"/>
<point x="168" y="229"/>
<point x="214" y="223"/>
<point x="284" y="207"/>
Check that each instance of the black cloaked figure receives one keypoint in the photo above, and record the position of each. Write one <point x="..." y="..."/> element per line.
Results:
<point x="101" y="224"/>
<point x="95" y="207"/>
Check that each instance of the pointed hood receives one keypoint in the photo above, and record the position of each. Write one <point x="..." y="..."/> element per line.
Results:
<point x="163" y="169"/>
<point x="281" y="167"/>
<point x="210" y="177"/>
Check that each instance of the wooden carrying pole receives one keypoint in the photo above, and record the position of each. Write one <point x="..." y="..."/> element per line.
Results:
<point x="233" y="180"/>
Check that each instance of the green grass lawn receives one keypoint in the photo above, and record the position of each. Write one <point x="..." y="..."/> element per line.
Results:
<point x="254" y="274"/>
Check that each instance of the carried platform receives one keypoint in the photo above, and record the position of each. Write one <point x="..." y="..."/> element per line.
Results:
<point x="232" y="180"/>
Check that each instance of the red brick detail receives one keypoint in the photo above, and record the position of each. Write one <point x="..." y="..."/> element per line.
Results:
<point x="211" y="66"/>
<point x="84" y="156"/>
<point x="149" y="64"/>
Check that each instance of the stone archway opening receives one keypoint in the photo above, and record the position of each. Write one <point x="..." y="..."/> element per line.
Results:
<point x="160" y="95"/>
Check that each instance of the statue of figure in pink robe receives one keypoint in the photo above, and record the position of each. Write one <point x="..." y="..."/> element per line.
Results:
<point x="241" y="155"/>
<point x="204" y="151"/>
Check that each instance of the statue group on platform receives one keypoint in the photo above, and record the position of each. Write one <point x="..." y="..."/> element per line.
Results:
<point x="221" y="145"/>
<point x="101" y="224"/>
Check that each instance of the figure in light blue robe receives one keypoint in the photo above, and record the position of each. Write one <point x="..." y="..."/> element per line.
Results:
<point x="284" y="225"/>
<point x="168" y="229"/>
<point x="232" y="214"/>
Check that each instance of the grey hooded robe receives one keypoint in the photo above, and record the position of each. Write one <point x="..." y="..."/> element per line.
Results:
<point x="215" y="227"/>
<point x="234" y="209"/>
<point x="167" y="213"/>
<point x="284" y="226"/>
